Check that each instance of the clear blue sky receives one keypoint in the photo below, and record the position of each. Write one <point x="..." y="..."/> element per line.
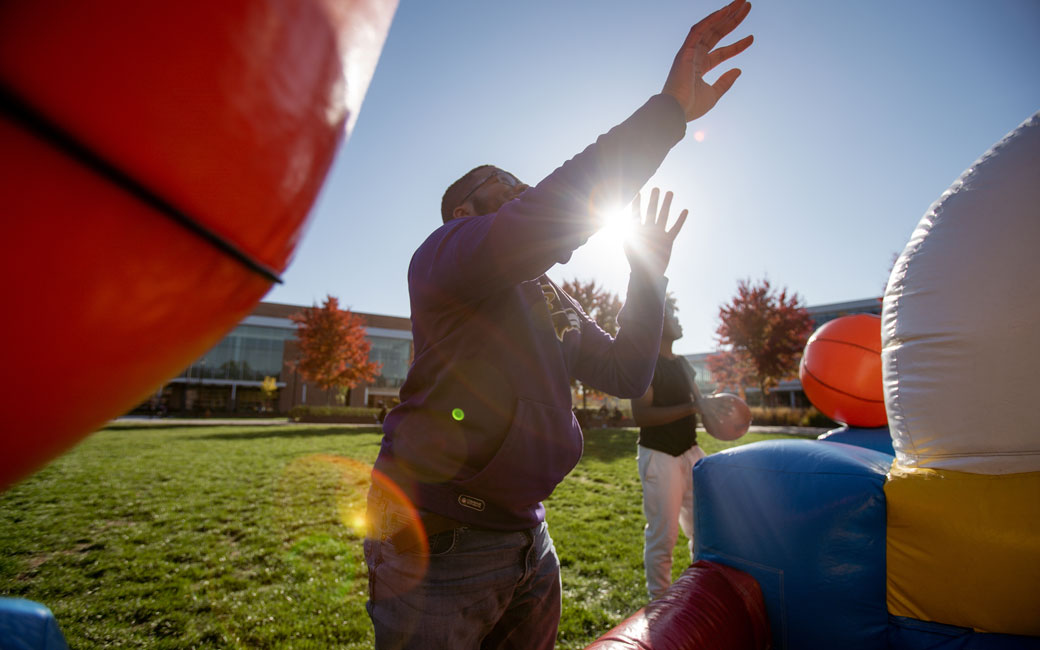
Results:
<point x="849" y="120"/>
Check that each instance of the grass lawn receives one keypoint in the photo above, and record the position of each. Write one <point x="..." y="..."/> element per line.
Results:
<point x="248" y="537"/>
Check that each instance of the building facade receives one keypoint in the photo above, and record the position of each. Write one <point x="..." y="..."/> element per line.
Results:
<point x="229" y="378"/>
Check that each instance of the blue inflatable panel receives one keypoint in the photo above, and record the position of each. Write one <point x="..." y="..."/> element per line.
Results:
<point x="878" y="439"/>
<point x="25" y="625"/>
<point x="807" y="520"/>
<point x="912" y="634"/>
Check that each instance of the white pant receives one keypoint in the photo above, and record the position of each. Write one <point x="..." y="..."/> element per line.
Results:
<point x="667" y="504"/>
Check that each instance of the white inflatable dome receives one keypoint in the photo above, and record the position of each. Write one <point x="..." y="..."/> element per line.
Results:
<point x="961" y="320"/>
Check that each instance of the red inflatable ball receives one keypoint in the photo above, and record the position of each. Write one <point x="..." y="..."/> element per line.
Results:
<point x="725" y="416"/>
<point x="159" y="161"/>
<point x="841" y="371"/>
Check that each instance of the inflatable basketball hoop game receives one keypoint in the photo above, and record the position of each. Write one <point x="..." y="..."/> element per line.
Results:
<point x="917" y="525"/>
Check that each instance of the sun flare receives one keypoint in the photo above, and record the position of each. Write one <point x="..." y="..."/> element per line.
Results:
<point x="617" y="226"/>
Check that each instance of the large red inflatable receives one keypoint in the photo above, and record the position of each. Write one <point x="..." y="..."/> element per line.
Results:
<point x="841" y="371"/>
<point x="159" y="162"/>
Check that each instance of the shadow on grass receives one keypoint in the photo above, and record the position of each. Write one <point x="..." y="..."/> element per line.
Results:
<point x="293" y="432"/>
<point x="610" y="444"/>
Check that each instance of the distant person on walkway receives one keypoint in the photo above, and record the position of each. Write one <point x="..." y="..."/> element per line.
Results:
<point x="485" y="431"/>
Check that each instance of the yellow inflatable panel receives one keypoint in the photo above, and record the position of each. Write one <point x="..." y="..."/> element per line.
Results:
<point x="964" y="549"/>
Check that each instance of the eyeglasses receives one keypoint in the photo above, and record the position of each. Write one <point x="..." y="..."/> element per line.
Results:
<point x="502" y="177"/>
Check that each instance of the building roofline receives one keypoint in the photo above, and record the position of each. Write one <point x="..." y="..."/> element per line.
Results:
<point x="863" y="303"/>
<point x="284" y="310"/>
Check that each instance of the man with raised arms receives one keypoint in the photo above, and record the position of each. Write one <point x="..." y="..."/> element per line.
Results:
<point x="458" y="553"/>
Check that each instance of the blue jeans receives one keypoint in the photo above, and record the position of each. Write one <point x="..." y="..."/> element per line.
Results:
<point x="474" y="588"/>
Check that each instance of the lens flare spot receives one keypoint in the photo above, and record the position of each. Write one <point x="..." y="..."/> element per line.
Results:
<point x="457" y="414"/>
<point x="698" y="136"/>
<point x="359" y="523"/>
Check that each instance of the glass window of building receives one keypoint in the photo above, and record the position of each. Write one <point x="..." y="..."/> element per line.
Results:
<point x="249" y="352"/>
<point x="393" y="354"/>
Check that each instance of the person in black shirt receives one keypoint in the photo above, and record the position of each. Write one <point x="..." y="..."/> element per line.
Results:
<point x="666" y="415"/>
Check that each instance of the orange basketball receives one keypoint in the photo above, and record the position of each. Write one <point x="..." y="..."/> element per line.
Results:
<point x="159" y="161"/>
<point x="841" y="371"/>
<point x="725" y="416"/>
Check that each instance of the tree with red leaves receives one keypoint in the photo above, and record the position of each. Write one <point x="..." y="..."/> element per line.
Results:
<point x="764" y="331"/>
<point x="333" y="347"/>
<point x="602" y="306"/>
<point x="731" y="370"/>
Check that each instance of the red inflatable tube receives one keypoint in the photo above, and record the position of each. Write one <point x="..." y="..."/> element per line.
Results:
<point x="710" y="606"/>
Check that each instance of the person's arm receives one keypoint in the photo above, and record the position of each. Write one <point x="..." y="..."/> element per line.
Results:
<point x="646" y="414"/>
<point x="624" y="366"/>
<point x="469" y="258"/>
<point x="472" y="257"/>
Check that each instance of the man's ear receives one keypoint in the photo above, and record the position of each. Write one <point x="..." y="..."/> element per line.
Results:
<point x="464" y="210"/>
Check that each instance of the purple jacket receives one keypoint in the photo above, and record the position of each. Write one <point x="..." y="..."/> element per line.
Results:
<point x="484" y="430"/>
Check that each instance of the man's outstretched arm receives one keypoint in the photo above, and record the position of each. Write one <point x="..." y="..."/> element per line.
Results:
<point x="546" y="223"/>
<point x="624" y="366"/>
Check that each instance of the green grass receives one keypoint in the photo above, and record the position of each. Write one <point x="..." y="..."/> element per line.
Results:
<point x="244" y="537"/>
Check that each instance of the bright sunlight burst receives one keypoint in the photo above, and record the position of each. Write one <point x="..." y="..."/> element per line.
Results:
<point x="617" y="226"/>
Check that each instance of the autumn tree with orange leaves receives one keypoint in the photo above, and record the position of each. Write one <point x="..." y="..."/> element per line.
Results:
<point x="731" y="370"/>
<point x="762" y="332"/>
<point x="333" y="347"/>
<point x="602" y="306"/>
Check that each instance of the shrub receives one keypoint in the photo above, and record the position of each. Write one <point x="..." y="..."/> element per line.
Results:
<point x="780" y="416"/>
<point x="785" y="416"/>
<point x="814" y="418"/>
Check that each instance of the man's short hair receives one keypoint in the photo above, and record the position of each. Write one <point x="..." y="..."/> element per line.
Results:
<point x="453" y="195"/>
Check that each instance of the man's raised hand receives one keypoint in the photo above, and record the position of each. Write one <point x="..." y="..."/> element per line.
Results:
<point x="650" y="246"/>
<point x="697" y="57"/>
